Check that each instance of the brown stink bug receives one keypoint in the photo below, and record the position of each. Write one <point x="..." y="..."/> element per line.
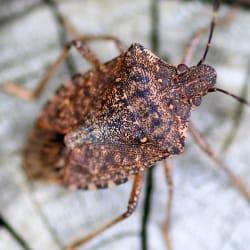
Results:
<point x="112" y="123"/>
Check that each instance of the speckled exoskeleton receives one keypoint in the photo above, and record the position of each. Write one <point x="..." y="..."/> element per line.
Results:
<point x="112" y="123"/>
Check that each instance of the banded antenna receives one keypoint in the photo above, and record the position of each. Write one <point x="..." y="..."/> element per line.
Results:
<point x="216" y="5"/>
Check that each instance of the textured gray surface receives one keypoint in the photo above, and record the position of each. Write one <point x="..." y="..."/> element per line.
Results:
<point x="208" y="212"/>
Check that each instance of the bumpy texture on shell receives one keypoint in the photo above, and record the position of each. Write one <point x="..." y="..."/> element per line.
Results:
<point x="112" y="122"/>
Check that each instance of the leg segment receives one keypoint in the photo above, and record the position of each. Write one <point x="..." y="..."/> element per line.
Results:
<point x="76" y="34"/>
<point x="235" y="180"/>
<point x="23" y="93"/>
<point x="119" y="44"/>
<point x="166" y="228"/>
<point x="133" y="200"/>
<point x="80" y="44"/>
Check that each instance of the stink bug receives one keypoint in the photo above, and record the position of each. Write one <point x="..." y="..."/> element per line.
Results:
<point x="115" y="121"/>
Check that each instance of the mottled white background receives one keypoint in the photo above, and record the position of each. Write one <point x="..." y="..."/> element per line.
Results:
<point x="209" y="213"/>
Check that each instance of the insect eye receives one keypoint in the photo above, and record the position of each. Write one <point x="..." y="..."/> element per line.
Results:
<point x="182" y="68"/>
<point x="196" y="101"/>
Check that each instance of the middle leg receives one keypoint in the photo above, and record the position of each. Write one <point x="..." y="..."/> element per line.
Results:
<point x="166" y="227"/>
<point x="132" y="204"/>
<point x="235" y="180"/>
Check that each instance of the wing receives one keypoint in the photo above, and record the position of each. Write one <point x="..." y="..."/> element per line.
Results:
<point x="69" y="106"/>
<point x="45" y="152"/>
<point x="140" y="105"/>
<point x="89" y="166"/>
<point x="103" y="166"/>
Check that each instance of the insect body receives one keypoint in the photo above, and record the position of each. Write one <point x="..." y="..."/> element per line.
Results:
<point x="117" y="120"/>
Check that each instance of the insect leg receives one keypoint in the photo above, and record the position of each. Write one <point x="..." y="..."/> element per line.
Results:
<point x="166" y="228"/>
<point x="119" y="44"/>
<point x="88" y="38"/>
<point x="133" y="201"/>
<point x="26" y="94"/>
<point x="235" y="180"/>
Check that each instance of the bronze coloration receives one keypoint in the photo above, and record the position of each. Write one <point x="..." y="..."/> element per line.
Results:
<point x="103" y="128"/>
<point x="112" y="123"/>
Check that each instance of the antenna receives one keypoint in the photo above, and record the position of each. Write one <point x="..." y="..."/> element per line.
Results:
<point x="216" y="5"/>
<point x="232" y="95"/>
